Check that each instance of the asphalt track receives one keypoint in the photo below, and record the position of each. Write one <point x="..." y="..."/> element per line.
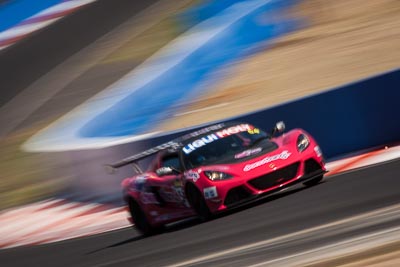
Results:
<point x="26" y="61"/>
<point x="339" y="197"/>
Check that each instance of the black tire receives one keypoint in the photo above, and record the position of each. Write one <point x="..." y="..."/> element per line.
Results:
<point x="314" y="181"/>
<point x="140" y="220"/>
<point x="198" y="203"/>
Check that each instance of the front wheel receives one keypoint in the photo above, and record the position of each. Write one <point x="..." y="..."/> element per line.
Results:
<point x="314" y="181"/>
<point x="140" y="220"/>
<point x="198" y="203"/>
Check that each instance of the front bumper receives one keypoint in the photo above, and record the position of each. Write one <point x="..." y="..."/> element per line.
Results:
<point x="238" y="192"/>
<point x="251" y="198"/>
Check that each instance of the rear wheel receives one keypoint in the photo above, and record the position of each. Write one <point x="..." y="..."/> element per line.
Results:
<point x="314" y="181"/>
<point x="140" y="220"/>
<point x="198" y="203"/>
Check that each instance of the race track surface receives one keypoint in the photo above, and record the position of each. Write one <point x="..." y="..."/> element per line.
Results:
<point x="337" y="198"/>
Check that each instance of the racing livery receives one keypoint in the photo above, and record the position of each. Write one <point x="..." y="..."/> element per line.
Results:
<point x="217" y="168"/>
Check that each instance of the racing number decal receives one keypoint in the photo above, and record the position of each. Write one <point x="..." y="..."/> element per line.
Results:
<point x="210" y="192"/>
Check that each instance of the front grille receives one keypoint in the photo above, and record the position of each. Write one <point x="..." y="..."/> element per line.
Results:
<point x="311" y="165"/>
<point x="235" y="195"/>
<point x="277" y="177"/>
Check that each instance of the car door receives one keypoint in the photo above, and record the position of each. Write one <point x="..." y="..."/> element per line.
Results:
<point x="171" y="184"/>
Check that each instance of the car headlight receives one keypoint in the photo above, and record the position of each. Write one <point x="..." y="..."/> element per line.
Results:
<point x="217" y="176"/>
<point x="302" y="142"/>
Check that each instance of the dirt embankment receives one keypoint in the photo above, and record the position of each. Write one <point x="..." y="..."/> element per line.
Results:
<point x="346" y="40"/>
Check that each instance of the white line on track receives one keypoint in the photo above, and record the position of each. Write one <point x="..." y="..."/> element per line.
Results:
<point x="24" y="29"/>
<point x="62" y="7"/>
<point x="339" y="249"/>
<point x="343" y="222"/>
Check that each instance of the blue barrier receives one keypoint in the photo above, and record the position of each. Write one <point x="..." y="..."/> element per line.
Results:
<point x="353" y="117"/>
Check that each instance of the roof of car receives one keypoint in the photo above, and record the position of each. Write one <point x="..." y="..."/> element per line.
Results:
<point x="172" y="145"/>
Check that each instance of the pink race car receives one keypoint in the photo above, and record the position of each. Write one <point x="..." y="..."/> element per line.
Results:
<point x="217" y="168"/>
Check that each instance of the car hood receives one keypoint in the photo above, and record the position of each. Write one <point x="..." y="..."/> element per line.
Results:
<point x="254" y="166"/>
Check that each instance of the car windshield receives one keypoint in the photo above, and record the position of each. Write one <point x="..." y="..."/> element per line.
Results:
<point x="211" y="149"/>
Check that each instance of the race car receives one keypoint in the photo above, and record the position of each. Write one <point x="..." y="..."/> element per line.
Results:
<point x="215" y="169"/>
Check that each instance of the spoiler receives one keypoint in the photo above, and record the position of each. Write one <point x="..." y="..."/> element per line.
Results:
<point x="110" y="168"/>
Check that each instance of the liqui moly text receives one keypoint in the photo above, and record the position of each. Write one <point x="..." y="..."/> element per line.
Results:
<point x="215" y="136"/>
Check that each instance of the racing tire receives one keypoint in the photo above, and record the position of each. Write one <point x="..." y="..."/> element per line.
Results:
<point x="198" y="203"/>
<point x="314" y="181"/>
<point x="141" y="223"/>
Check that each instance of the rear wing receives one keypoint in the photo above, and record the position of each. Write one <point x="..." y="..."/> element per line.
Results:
<point x="142" y="155"/>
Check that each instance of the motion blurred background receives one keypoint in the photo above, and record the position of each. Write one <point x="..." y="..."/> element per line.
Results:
<point x="282" y="51"/>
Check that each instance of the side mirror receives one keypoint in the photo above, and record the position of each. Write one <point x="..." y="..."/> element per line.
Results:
<point x="166" y="171"/>
<point x="279" y="128"/>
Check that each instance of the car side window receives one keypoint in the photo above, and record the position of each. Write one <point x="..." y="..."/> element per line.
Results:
<point x="171" y="161"/>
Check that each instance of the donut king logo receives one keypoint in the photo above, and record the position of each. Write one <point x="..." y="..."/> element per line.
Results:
<point x="217" y="135"/>
<point x="283" y="155"/>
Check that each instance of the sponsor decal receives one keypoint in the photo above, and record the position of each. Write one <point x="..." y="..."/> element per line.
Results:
<point x="210" y="192"/>
<point x="181" y="196"/>
<point x="172" y="194"/>
<point x="254" y="131"/>
<point x="215" y="136"/>
<point x="283" y="155"/>
<point x="247" y="153"/>
<point x="199" y="143"/>
<point x="192" y="175"/>
<point x="234" y="130"/>
<point x="318" y="151"/>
